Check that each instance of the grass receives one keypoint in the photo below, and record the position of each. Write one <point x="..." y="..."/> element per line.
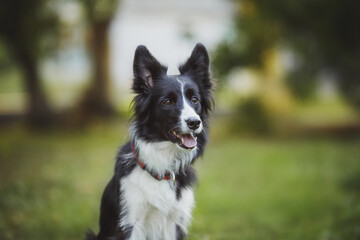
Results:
<point x="51" y="184"/>
<point x="261" y="189"/>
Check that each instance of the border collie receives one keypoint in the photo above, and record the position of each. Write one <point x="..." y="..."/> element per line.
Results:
<point x="151" y="194"/>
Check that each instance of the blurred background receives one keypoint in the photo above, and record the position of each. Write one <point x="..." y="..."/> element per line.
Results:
<point x="283" y="160"/>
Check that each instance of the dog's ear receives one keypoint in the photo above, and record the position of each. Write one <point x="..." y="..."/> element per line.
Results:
<point x="197" y="66"/>
<point x="146" y="70"/>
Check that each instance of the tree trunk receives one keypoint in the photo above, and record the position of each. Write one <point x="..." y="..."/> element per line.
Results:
<point x="96" y="101"/>
<point x="101" y="59"/>
<point x="38" y="112"/>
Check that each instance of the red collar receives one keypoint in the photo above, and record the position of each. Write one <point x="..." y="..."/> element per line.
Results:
<point x="168" y="175"/>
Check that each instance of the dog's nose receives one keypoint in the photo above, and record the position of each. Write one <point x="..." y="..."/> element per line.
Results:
<point x="193" y="123"/>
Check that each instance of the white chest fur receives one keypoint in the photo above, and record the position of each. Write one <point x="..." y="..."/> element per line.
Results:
<point x="151" y="208"/>
<point x="164" y="156"/>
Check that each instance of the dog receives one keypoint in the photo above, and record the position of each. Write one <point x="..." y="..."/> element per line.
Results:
<point x="150" y="195"/>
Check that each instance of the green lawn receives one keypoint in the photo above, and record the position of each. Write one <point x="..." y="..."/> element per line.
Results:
<point x="51" y="183"/>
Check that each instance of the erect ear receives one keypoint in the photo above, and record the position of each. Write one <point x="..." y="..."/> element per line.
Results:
<point x="197" y="66"/>
<point x="146" y="70"/>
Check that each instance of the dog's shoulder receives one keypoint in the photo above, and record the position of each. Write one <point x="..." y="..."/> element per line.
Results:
<point x="125" y="161"/>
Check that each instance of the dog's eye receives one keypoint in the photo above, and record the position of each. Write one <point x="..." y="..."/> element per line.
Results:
<point x="195" y="100"/>
<point x="167" y="102"/>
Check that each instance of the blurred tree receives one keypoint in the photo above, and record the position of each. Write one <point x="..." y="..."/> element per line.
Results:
<point x="323" y="34"/>
<point x="28" y="28"/>
<point x="252" y="117"/>
<point x="99" y="14"/>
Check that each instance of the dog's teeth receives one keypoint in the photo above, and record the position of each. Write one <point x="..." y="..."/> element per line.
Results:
<point x="182" y="141"/>
<point x="195" y="138"/>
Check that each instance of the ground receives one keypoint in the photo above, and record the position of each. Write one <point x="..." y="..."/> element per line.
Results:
<point x="249" y="188"/>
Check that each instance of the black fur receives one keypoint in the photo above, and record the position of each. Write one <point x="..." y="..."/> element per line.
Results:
<point x="152" y="122"/>
<point x="185" y="179"/>
<point x="179" y="233"/>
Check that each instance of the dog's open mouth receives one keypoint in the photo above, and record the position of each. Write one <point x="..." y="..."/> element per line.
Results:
<point x="187" y="141"/>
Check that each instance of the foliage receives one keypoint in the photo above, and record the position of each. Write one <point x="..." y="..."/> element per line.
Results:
<point x="323" y="35"/>
<point x="99" y="10"/>
<point x="252" y="117"/>
<point x="30" y="25"/>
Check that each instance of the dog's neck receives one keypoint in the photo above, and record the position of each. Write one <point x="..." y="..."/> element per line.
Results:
<point x="162" y="156"/>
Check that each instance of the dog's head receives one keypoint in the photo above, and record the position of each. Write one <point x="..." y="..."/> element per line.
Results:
<point x="172" y="107"/>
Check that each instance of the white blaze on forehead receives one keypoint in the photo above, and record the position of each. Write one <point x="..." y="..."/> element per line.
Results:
<point x="187" y="112"/>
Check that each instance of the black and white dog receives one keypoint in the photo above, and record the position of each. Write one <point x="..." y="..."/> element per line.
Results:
<point x="151" y="195"/>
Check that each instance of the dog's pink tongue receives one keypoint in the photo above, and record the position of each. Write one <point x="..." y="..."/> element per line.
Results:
<point x="189" y="141"/>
